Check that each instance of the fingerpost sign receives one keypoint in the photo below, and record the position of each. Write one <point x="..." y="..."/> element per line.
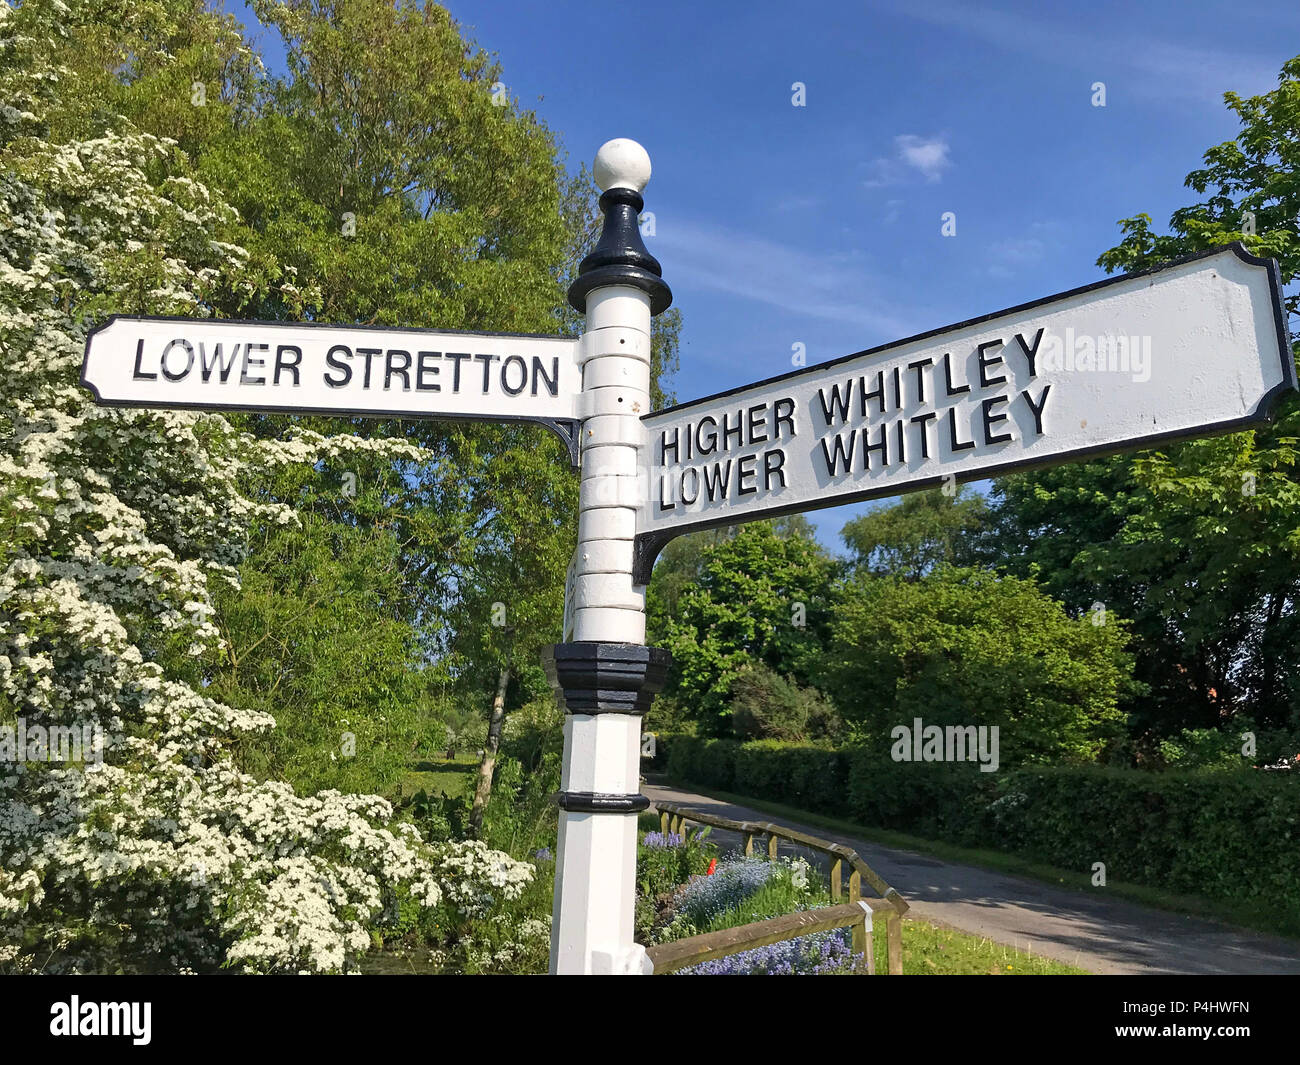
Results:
<point x="1193" y="348"/>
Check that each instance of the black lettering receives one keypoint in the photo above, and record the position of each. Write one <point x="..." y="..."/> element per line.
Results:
<point x="486" y="360"/>
<point x="514" y="360"/>
<point x="421" y="368"/>
<point x="957" y="445"/>
<point x="947" y="377"/>
<point x="757" y="424"/>
<point x="881" y="447"/>
<point x="990" y="419"/>
<point x="729" y="430"/>
<point x="665" y="447"/>
<point x="139" y="374"/>
<point x="986" y="360"/>
<point x="923" y="421"/>
<point x="898" y="387"/>
<point x="839" y="402"/>
<point x="665" y="503"/>
<point x="1037" y="409"/>
<point x="711" y="438"/>
<point x="552" y="382"/>
<point x="282" y="363"/>
<point x="206" y="367"/>
<point x="1031" y="353"/>
<point x="695" y="494"/>
<point x="716" y="485"/>
<point x="331" y="359"/>
<point x="369" y="353"/>
<point x="877" y="393"/>
<point x="783" y="416"/>
<point x="843" y="455"/>
<point x="743" y="472"/>
<point x="189" y="359"/>
<point x="773" y="466"/>
<point x="456" y="357"/>
<point x="244" y="379"/>
<point x="920" y="366"/>
<point x="390" y="370"/>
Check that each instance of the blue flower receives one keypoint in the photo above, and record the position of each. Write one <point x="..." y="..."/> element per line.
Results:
<point x="660" y="841"/>
<point x="819" y="954"/>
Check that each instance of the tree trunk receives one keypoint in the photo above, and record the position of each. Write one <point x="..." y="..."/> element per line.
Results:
<point x="483" y="790"/>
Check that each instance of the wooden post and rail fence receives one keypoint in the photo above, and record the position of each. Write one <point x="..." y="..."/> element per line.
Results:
<point x="857" y="913"/>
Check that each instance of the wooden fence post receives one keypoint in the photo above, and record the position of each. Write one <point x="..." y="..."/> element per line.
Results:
<point x="863" y="943"/>
<point x="894" y="937"/>
<point x="772" y="843"/>
<point x="855" y="886"/>
<point x="837" y="890"/>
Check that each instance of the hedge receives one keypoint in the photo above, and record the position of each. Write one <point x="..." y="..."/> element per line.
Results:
<point x="1224" y="835"/>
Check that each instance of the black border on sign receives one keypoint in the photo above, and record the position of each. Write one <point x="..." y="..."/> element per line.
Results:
<point x="565" y="428"/>
<point x="647" y="545"/>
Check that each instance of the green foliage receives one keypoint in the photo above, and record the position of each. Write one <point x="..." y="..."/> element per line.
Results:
<point x="756" y="596"/>
<point x="660" y="869"/>
<point x="919" y="532"/>
<point x="1205" y="749"/>
<point x="967" y="647"/>
<point x="312" y="638"/>
<point x="938" y="800"/>
<point x="766" y="705"/>
<point x="1217" y="834"/>
<point x="812" y="778"/>
<point x="1199" y="543"/>
<point x="1225" y="835"/>
<point x="711" y="763"/>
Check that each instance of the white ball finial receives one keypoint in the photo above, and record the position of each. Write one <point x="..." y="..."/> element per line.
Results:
<point x="622" y="164"/>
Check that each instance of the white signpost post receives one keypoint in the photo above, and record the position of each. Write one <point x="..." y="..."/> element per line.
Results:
<point x="1193" y="348"/>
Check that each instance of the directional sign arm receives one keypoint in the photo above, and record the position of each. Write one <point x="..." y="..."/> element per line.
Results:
<point x="1193" y="348"/>
<point x="306" y="368"/>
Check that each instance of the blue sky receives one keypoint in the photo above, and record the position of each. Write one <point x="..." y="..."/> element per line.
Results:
<point x="820" y="225"/>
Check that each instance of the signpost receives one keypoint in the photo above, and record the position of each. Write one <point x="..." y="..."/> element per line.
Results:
<point x="1189" y="349"/>
<point x="370" y="371"/>
<point x="1193" y="348"/>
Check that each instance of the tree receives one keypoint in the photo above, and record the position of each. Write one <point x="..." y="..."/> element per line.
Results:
<point x="758" y="597"/>
<point x="149" y="848"/>
<point x="922" y="530"/>
<point x="1199" y="543"/>
<point x="967" y="647"/>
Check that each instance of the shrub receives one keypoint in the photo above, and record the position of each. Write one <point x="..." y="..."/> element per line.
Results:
<point x="663" y="862"/>
<point x="711" y="763"/>
<point x="767" y="705"/>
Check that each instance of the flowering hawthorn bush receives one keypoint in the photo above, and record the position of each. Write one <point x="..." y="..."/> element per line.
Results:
<point x="114" y="527"/>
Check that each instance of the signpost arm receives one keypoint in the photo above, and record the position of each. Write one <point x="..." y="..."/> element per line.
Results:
<point x="606" y="676"/>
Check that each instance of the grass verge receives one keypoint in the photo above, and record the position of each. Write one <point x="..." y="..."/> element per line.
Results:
<point x="934" y="950"/>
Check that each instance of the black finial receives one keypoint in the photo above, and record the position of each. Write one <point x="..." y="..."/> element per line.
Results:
<point x="620" y="256"/>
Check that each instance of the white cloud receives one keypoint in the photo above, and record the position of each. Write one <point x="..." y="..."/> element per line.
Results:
<point x="837" y="287"/>
<point x="927" y="156"/>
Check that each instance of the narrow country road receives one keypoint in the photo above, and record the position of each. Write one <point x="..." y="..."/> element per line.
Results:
<point x="1092" y="932"/>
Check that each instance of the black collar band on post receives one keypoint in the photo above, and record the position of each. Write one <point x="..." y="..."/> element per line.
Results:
<point x="620" y="256"/>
